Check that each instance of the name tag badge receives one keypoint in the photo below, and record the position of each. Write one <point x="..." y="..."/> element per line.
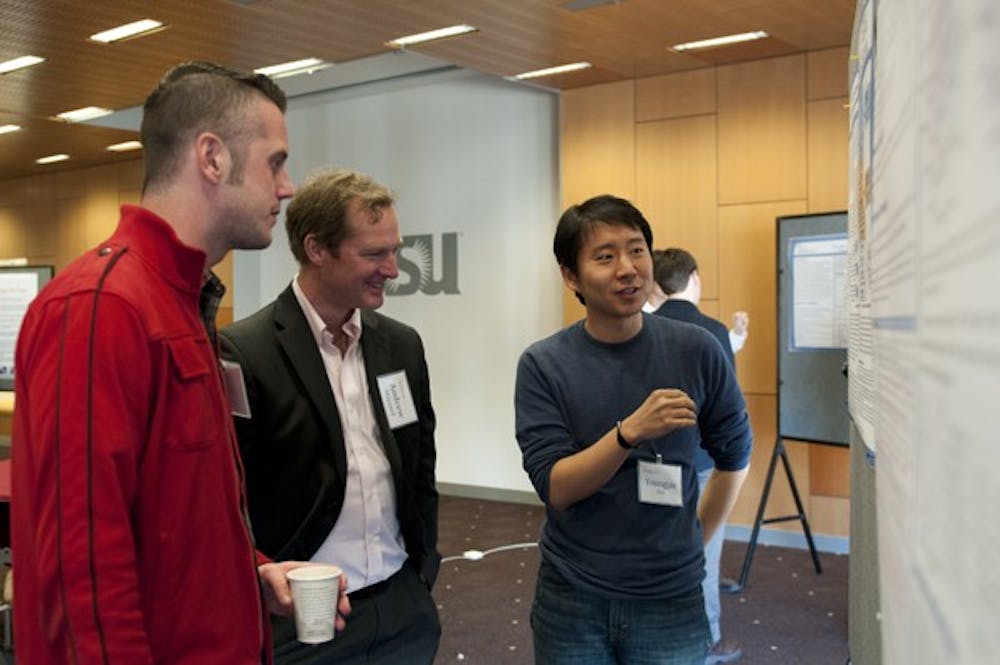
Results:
<point x="660" y="484"/>
<point x="396" y="399"/>
<point x="236" y="389"/>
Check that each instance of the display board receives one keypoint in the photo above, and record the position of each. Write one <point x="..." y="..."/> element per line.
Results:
<point x="812" y="328"/>
<point x="18" y="287"/>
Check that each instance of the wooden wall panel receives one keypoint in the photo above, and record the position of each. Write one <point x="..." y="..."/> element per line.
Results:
<point x="748" y="282"/>
<point x="826" y="72"/>
<point x="596" y="151"/>
<point x="675" y="189"/>
<point x="829" y="515"/>
<point x="597" y="142"/>
<point x="830" y="471"/>
<point x="762" y="131"/>
<point x="828" y="147"/>
<point x="675" y="95"/>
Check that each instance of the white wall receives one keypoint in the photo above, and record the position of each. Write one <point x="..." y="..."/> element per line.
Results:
<point x="469" y="154"/>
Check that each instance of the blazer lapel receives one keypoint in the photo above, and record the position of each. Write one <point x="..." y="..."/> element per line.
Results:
<point x="296" y="339"/>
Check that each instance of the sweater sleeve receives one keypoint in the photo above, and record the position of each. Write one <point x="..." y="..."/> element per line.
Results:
<point x="723" y="420"/>
<point x="541" y="428"/>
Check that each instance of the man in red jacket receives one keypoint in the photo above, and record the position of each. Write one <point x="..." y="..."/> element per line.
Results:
<point x="129" y="531"/>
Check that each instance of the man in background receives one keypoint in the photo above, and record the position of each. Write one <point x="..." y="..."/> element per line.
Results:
<point x="130" y="538"/>
<point x="741" y="321"/>
<point x="610" y="413"/>
<point x="338" y="434"/>
<point x="676" y="274"/>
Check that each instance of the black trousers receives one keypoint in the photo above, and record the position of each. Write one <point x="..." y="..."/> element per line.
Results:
<point x="394" y="622"/>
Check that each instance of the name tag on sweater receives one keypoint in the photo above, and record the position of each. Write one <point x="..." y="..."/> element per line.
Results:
<point x="396" y="399"/>
<point x="660" y="484"/>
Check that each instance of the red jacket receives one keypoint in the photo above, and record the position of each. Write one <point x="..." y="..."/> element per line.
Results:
<point x="128" y="532"/>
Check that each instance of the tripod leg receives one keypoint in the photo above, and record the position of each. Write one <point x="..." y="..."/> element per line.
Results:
<point x="802" y="512"/>
<point x="752" y="545"/>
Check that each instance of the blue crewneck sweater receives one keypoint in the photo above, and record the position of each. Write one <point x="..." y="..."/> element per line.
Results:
<point x="570" y="391"/>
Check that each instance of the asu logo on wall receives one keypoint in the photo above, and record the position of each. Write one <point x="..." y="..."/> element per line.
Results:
<point x="421" y="270"/>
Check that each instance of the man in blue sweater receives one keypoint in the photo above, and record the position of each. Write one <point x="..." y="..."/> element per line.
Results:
<point x="610" y="414"/>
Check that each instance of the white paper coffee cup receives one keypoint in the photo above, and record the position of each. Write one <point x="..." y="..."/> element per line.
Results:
<point x="314" y="594"/>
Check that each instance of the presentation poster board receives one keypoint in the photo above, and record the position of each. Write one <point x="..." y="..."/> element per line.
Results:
<point x="812" y="328"/>
<point x="18" y="287"/>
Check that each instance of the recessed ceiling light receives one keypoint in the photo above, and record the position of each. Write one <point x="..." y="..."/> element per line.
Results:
<point x="19" y="63"/>
<point x="134" y="29"/>
<point x="7" y="129"/>
<point x="86" y="113"/>
<point x="431" y="35"/>
<point x="720" y="41"/>
<point x="561" y="69"/>
<point x="51" y="159"/>
<point x="305" y="66"/>
<point x="125" y="146"/>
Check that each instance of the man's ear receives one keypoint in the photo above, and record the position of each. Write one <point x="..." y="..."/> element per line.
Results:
<point x="316" y="252"/>
<point x="213" y="157"/>
<point x="570" y="278"/>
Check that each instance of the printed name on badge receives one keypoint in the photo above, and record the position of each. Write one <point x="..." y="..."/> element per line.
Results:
<point x="660" y="484"/>
<point x="396" y="399"/>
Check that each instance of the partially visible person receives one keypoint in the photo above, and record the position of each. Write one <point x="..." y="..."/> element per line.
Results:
<point x="656" y="295"/>
<point x="737" y="335"/>
<point x="676" y="273"/>
<point x="130" y="537"/>
<point x="610" y="415"/>
<point x="338" y="436"/>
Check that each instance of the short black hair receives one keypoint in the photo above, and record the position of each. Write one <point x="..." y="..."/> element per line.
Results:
<point x="673" y="269"/>
<point x="578" y="221"/>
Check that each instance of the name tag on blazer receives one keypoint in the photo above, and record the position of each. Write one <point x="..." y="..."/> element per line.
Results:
<point x="236" y="389"/>
<point x="396" y="399"/>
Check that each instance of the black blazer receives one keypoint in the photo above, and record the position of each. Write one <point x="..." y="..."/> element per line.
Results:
<point x="292" y="445"/>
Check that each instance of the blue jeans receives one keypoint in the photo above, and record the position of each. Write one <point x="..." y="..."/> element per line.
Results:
<point x="574" y="627"/>
<point x="713" y="557"/>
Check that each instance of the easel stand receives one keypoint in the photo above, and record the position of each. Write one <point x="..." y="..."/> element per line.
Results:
<point x="779" y="451"/>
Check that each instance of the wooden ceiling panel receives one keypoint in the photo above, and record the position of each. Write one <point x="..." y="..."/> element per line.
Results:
<point x="623" y="40"/>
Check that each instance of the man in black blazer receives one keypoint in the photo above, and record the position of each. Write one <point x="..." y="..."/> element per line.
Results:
<point x="337" y="428"/>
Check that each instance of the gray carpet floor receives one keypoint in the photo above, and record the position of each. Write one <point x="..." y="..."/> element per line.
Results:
<point x="787" y="614"/>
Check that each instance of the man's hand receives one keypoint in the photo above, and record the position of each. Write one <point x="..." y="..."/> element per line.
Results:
<point x="665" y="410"/>
<point x="278" y="595"/>
<point x="741" y="323"/>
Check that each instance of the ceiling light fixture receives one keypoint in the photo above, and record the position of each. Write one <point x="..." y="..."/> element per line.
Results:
<point x="293" y="68"/>
<point x="431" y="35"/>
<point x="7" y="129"/>
<point x="52" y="159"/>
<point x="8" y="66"/>
<point x="135" y="29"/>
<point x="125" y="146"/>
<point x="86" y="113"/>
<point x="561" y="69"/>
<point x="720" y="41"/>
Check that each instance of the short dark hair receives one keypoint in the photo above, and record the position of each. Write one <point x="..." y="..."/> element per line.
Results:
<point x="320" y="208"/>
<point x="672" y="270"/>
<point x="194" y="97"/>
<point x="578" y="221"/>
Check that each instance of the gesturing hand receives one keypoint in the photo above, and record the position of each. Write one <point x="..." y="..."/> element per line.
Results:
<point x="665" y="410"/>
